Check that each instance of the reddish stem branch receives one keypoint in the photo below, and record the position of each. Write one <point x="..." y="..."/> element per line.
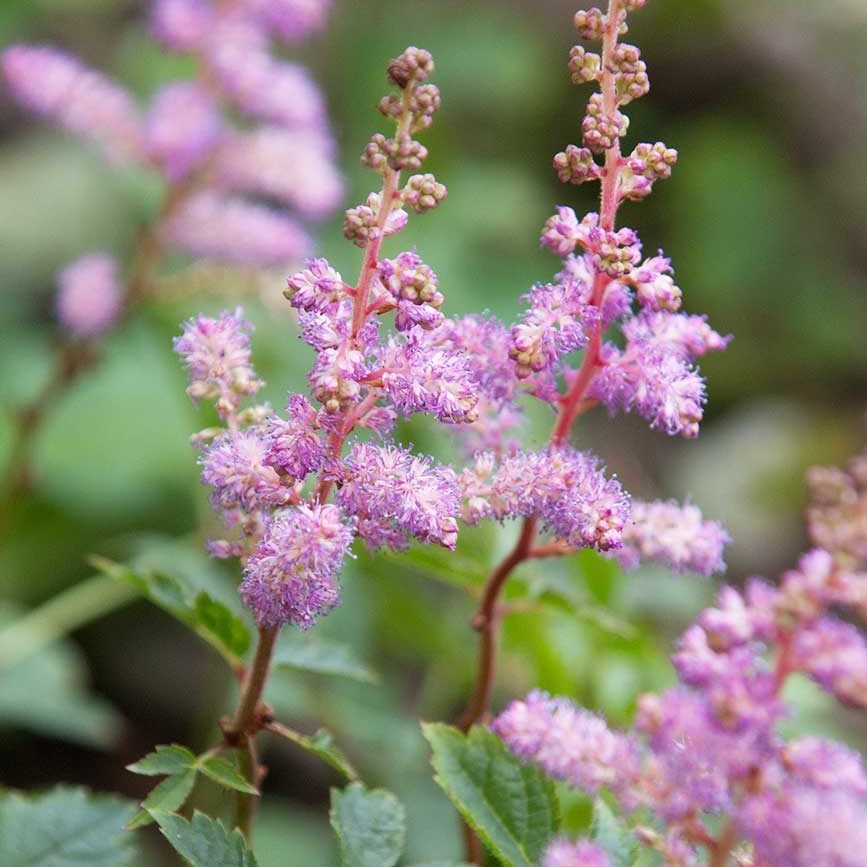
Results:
<point x="485" y="623"/>
<point x="249" y="718"/>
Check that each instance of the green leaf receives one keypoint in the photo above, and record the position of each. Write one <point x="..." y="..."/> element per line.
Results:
<point x="165" y="759"/>
<point x="64" y="827"/>
<point x="211" y="619"/>
<point x="320" y="743"/>
<point x="600" y="574"/>
<point x="510" y="805"/>
<point x="612" y="835"/>
<point x="462" y="568"/>
<point x="370" y="825"/>
<point x="204" y="842"/>
<point x="225" y="774"/>
<point x="321" y="656"/>
<point x="224" y="629"/>
<point x="47" y="693"/>
<point x="169" y="795"/>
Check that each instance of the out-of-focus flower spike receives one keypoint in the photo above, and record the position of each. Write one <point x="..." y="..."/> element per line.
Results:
<point x="291" y="166"/>
<point x="60" y="88"/>
<point x="273" y="90"/>
<point x="673" y="535"/>
<point x="182" y="25"/>
<point x="578" y="853"/>
<point x="183" y="126"/>
<point x="290" y="20"/>
<point x="236" y="231"/>
<point x="89" y="295"/>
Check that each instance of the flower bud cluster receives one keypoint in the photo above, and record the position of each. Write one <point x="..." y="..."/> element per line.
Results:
<point x="576" y="165"/>
<point x="619" y="71"/>
<point x="631" y="79"/>
<point x="413" y="287"/>
<point x="422" y="193"/>
<point x="412" y="110"/>
<point x="644" y="166"/>
<point x="584" y="66"/>
<point x="837" y="512"/>
<point x="209" y="163"/>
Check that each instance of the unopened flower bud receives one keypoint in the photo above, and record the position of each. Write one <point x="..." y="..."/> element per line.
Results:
<point x="375" y="154"/>
<point x="644" y="166"/>
<point x="414" y="64"/>
<point x="424" y="104"/>
<point x="405" y="153"/>
<point x="584" y="66"/>
<point x="575" y="165"/>
<point x="600" y="130"/>
<point x="630" y="73"/>
<point x="423" y="193"/>
<point x="590" y="23"/>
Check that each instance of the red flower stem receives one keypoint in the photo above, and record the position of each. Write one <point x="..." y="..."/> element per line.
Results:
<point x="247" y="721"/>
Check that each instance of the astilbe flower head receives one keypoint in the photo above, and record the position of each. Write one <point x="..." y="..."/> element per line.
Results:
<point x="89" y="296"/>
<point x="317" y="288"/>
<point x="422" y="375"/>
<point x="292" y="575"/>
<point x="261" y="468"/>
<point x="674" y="535"/>
<point x="216" y="352"/>
<point x="294" y="446"/>
<point x="235" y="468"/>
<point x="834" y="654"/>
<point x="803" y="827"/>
<point x="569" y="743"/>
<point x="413" y="286"/>
<point x="712" y="745"/>
<point x="395" y="494"/>
<point x="563" y="487"/>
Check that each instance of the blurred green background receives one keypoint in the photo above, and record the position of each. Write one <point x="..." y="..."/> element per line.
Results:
<point x="765" y="219"/>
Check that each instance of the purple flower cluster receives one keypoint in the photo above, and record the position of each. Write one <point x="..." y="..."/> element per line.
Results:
<point x="216" y="353"/>
<point x="674" y="535"/>
<point x="293" y="573"/>
<point x="271" y="474"/>
<point x="470" y="373"/>
<point x="395" y="494"/>
<point x="210" y="164"/>
<point x="562" y="487"/>
<point x="712" y="744"/>
<point x="605" y="283"/>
